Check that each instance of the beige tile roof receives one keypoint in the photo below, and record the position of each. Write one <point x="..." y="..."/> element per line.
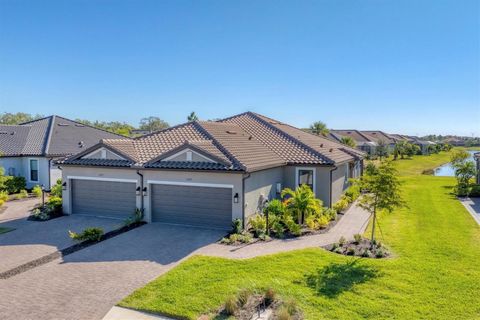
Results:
<point x="354" y="134"/>
<point x="247" y="142"/>
<point x="377" y="135"/>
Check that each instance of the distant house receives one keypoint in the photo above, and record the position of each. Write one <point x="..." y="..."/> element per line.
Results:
<point x="362" y="141"/>
<point x="378" y="136"/>
<point x="423" y="144"/>
<point x="30" y="149"/>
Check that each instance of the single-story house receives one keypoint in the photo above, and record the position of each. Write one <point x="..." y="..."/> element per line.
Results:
<point x="30" y="149"/>
<point x="362" y="141"/>
<point x="379" y="136"/>
<point x="205" y="173"/>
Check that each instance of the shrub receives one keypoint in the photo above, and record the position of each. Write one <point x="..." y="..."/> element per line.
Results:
<point x="475" y="190"/>
<point x="353" y="192"/>
<point x="231" y="305"/>
<point x="283" y="314"/>
<point x="338" y="250"/>
<point x="351" y="251"/>
<point x="258" y="224"/>
<point x="340" y="205"/>
<point x="22" y="194"/>
<point x="294" y="228"/>
<point x="270" y="296"/>
<point x="37" y="191"/>
<point x="56" y="190"/>
<point x="41" y="215"/>
<point x="358" y="238"/>
<point x="316" y="222"/>
<point x="366" y="253"/>
<point x="236" y="237"/>
<point x="237" y="226"/>
<point x="278" y="228"/>
<point x="136" y="218"/>
<point x="380" y="253"/>
<point x="14" y="184"/>
<point x="54" y="204"/>
<point x="1" y="202"/>
<point x="3" y="196"/>
<point x="275" y="208"/>
<point x="342" y="241"/>
<point x="243" y="296"/>
<point x="331" y="214"/>
<point x="89" y="234"/>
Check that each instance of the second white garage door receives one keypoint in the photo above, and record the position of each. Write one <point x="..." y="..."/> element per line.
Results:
<point x="192" y="205"/>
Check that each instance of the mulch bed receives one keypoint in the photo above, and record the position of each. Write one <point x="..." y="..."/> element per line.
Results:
<point x="65" y="252"/>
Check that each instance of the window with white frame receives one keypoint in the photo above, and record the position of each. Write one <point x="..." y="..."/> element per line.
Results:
<point x="306" y="176"/>
<point x="34" y="170"/>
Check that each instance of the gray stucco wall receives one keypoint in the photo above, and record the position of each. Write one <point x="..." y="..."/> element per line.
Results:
<point x="183" y="177"/>
<point x="21" y="168"/>
<point x="261" y="184"/>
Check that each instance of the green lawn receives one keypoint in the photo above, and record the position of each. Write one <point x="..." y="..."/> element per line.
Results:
<point x="434" y="274"/>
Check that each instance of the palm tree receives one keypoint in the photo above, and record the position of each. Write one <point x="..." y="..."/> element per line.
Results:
<point x="192" y="116"/>
<point x="319" y="128"/>
<point x="302" y="202"/>
<point x="348" y="141"/>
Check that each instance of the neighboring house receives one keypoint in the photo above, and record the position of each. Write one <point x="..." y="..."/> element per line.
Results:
<point x="29" y="149"/>
<point x="205" y="173"/>
<point x="362" y="141"/>
<point x="377" y="136"/>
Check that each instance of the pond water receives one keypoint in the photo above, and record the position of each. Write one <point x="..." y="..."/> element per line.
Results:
<point x="447" y="170"/>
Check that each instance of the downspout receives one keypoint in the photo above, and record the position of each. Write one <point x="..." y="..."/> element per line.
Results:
<point x="331" y="181"/>
<point x="141" y="192"/>
<point x="49" y="174"/>
<point x="245" y="177"/>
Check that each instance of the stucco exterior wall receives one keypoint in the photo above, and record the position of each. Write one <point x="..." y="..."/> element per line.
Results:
<point x="339" y="181"/>
<point x="19" y="166"/>
<point x="261" y="185"/>
<point x="234" y="179"/>
<point x="12" y="166"/>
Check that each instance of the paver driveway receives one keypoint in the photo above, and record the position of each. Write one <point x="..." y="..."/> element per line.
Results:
<point x="34" y="239"/>
<point x="86" y="284"/>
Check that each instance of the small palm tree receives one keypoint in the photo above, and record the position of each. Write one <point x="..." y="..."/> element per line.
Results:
<point x="302" y="202"/>
<point x="319" y="128"/>
<point x="348" y="141"/>
<point x="192" y="117"/>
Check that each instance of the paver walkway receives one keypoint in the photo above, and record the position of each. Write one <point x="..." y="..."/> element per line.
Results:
<point x="87" y="283"/>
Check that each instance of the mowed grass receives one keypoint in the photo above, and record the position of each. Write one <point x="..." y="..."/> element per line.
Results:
<point x="434" y="274"/>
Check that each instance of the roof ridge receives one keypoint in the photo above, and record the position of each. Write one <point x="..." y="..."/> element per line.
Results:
<point x="220" y="147"/>
<point x="49" y="135"/>
<point x="35" y="120"/>
<point x="164" y="130"/>
<point x="87" y="125"/>
<point x="285" y="134"/>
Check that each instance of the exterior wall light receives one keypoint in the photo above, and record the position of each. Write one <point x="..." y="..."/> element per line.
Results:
<point x="144" y="191"/>
<point x="137" y="191"/>
<point x="235" y="198"/>
<point x="279" y="187"/>
<point x="64" y="185"/>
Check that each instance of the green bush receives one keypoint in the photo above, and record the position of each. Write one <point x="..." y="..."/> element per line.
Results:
<point x="353" y="192"/>
<point x="340" y="205"/>
<point x="231" y="305"/>
<point x="342" y="241"/>
<point x="331" y="214"/>
<point x="136" y="218"/>
<point x="22" y="194"/>
<point x="89" y="234"/>
<point x="56" y="190"/>
<point x="14" y="184"/>
<point x="39" y="214"/>
<point x="3" y="196"/>
<point x="258" y="224"/>
<point x="237" y="238"/>
<point x="37" y="191"/>
<point x="275" y="208"/>
<point x="475" y="190"/>
<point x="293" y="227"/>
<point x="1" y="202"/>
<point x="237" y="226"/>
<point x="278" y="228"/>
<point x="54" y="204"/>
<point x="357" y="237"/>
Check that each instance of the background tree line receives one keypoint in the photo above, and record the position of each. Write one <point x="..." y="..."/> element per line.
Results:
<point x="147" y="124"/>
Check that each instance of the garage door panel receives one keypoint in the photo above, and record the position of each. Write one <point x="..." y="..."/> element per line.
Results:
<point x="192" y="205"/>
<point x="103" y="198"/>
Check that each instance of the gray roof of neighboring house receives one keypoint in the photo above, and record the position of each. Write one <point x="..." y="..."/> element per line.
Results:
<point x="359" y="138"/>
<point x="377" y="136"/>
<point x="51" y="136"/>
<point x="247" y="142"/>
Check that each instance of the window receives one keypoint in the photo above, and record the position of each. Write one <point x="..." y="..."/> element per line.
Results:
<point x="33" y="170"/>
<point x="306" y="176"/>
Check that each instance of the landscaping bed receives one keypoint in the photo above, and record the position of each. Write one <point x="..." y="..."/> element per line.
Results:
<point x="359" y="247"/>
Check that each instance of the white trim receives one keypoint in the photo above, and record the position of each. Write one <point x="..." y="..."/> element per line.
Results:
<point x="102" y="179"/>
<point x="186" y="150"/>
<point x="103" y="152"/>
<point x="30" y="170"/>
<point x="193" y="184"/>
<point x="297" y="170"/>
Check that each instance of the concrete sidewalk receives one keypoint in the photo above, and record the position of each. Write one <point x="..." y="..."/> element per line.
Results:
<point x="473" y="207"/>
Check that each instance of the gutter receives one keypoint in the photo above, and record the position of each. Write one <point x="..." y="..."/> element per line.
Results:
<point x="245" y="177"/>
<point x="331" y="181"/>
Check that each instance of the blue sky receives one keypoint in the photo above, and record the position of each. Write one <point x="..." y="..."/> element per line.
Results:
<point x="400" y="66"/>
